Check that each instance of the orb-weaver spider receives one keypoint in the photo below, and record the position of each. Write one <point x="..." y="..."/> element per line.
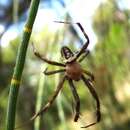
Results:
<point x="72" y="71"/>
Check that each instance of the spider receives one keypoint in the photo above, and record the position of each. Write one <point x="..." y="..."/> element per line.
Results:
<point x="72" y="72"/>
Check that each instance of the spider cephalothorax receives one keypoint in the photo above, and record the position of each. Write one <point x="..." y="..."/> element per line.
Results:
<point x="72" y="71"/>
<point x="66" y="52"/>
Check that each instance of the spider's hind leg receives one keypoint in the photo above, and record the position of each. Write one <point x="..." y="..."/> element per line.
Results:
<point x="50" y="102"/>
<point x="76" y="97"/>
<point x="94" y="94"/>
<point x="91" y="76"/>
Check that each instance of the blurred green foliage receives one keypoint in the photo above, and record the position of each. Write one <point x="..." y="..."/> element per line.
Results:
<point x="109" y="61"/>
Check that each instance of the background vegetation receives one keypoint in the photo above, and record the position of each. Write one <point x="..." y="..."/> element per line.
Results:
<point x="109" y="61"/>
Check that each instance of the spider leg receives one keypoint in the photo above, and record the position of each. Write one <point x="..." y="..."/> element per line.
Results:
<point x="81" y="51"/>
<point x="85" y="45"/>
<point x="85" y="54"/>
<point x="89" y="74"/>
<point x="94" y="94"/>
<point x="48" y="105"/>
<point x="76" y="97"/>
<point x="85" y="34"/>
<point x="45" y="59"/>
<point x="53" y="72"/>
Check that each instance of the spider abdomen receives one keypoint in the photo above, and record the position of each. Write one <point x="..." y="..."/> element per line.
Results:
<point x="73" y="71"/>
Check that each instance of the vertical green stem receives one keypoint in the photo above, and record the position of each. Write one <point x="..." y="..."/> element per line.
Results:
<point x="15" y="83"/>
<point x="39" y="99"/>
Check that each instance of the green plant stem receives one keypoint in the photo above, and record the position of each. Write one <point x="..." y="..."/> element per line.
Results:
<point x="39" y="99"/>
<point x="15" y="83"/>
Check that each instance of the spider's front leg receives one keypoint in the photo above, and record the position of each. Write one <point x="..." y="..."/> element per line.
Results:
<point x="83" y="56"/>
<point x="84" y="47"/>
<point x="94" y="94"/>
<point x="76" y="97"/>
<point x="45" y="59"/>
